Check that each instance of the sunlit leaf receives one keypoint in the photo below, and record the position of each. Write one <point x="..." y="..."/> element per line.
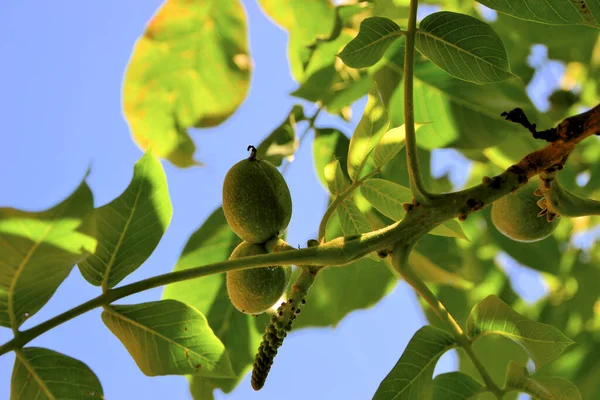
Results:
<point x="130" y="227"/>
<point x="44" y="374"/>
<point x="336" y="181"/>
<point x="411" y="377"/>
<point x="464" y="47"/>
<point x="390" y="145"/>
<point x="38" y="251"/>
<point x="554" y="12"/>
<point x="542" y="388"/>
<point x="329" y="144"/>
<point x="168" y="337"/>
<point x="376" y="34"/>
<point x="372" y="126"/>
<point x="450" y="228"/>
<point x="190" y="68"/>
<point x="542" y="342"/>
<point x="387" y="197"/>
<point x="455" y="386"/>
<point x="282" y="142"/>
<point x="305" y="22"/>
<point x="352" y="220"/>
<point x="213" y="242"/>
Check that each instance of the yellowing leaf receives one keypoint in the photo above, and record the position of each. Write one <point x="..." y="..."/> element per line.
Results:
<point x="190" y="68"/>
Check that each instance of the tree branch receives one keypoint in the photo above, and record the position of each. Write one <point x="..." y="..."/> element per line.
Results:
<point x="419" y="220"/>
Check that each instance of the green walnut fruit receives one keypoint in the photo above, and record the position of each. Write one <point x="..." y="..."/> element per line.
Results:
<point x="256" y="200"/>
<point x="516" y="216"/>
<point x="255" y="290"/>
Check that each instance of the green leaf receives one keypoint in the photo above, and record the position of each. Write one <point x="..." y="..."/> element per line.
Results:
<point x="44" y="374"/>
<point x="305" y="22"/>
<point x="429" y="271"/>
<point x="411" y="376"/>
<point x="213" y="242"/>
<point x="335" y="86"/>
<point x="464" y="115"/>
<point x="376" y="34"/>
<point x="131" y="226"/>
<point x="38" y="250"/>
<point x="390" y="145"/>
<point x="328" y="301"/>
<point x="464" y="47"/>
<point x="336" y="181"/>
<point x="542" y="388"/>
<point x="553" y="12"/>
<point x="168" y="337"/>
<point x="372" y="126"/>
<point x="352" y="220"/>
<point x="282" y="143"/>
<point x="450" y="228"/>
<point x="455" y="386"/>
<point x="329" y="144"/>
<point x="387" y="197"/>
<point x="542" y="342"/>
<point x="190" y="68"/>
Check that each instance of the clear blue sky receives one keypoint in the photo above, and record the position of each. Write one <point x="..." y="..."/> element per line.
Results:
<point x="60" y="80"/>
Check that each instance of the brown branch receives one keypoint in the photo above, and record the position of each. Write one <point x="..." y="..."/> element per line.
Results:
<point x="550" y="158"/>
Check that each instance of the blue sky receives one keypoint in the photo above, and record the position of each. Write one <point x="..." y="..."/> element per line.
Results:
<point x="61" y="111"/>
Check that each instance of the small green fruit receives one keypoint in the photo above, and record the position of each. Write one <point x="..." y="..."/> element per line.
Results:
<point x="256" y="200"/>
<point x="516" y="216"/>
<point x="255" y="290"/>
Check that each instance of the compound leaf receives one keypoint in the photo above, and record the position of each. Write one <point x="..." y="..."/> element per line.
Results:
<point x="131" y="226"/>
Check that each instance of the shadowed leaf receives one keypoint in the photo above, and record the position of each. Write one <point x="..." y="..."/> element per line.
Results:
<point x="44" y="374"/>
<point x="38" y="250"/>
<point x="411" y="377"/>
<point x="376" y="34"/>
<point x="131" y="226"/>
<point x="455" y="386"/>
<point x="542" y="342"/>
